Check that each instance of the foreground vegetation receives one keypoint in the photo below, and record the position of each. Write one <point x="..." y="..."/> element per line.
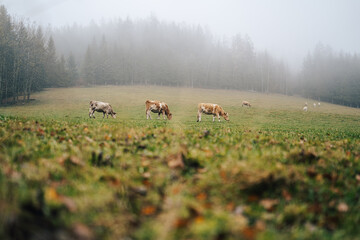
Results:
<point x="271" y="172"/>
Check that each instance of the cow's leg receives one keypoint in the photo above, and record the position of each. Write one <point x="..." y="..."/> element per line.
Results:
<point x="218" y="117"/>
<point x="163" y="113"/>
<point x="103" y="115"/>
<point x="199" y="116"/>
<point x="148" y="115"/>
<point x="91" y="112"/>
<point x="159" y="115"/>
<point x="213" y="118"/>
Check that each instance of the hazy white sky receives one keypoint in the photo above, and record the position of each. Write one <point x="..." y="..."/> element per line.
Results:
<point x="288" y="29"/>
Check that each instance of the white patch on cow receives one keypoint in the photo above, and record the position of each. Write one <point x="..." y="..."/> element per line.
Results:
<point x="154" y="109"/>
<point x="213" y="111"/>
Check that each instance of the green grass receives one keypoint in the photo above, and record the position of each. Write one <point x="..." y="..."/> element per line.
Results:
<point x="271" y="172"/>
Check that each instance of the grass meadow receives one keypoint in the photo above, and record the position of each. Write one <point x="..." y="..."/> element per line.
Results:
<point x="271" y="172"/>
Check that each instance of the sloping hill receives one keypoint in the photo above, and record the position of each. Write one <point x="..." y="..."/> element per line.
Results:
<point x="129" y="102"/>
<point x="271" y="172"/>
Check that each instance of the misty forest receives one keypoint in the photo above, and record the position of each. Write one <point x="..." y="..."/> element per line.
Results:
<point x="152" y="52"/>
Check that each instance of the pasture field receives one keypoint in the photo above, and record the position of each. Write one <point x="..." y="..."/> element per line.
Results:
<point x="271" y="172"/>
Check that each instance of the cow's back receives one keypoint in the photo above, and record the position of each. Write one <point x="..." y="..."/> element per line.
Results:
<point x="207" y="108"/>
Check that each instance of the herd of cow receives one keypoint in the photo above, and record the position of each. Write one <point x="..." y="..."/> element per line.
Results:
<point x="162" y="108"/>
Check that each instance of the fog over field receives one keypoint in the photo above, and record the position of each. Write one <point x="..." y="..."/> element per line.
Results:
<point x="286" y="29"/>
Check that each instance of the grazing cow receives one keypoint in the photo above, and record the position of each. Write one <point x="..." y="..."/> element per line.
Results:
<point x="103" y="107"/>
<point x="305" y="109"/>
<point x="157" y="107"/>
<point x="210" y="108"/>
<point x="319" y="104"/>
<point x="314" y="104"/>
<point x="246" y="103"/>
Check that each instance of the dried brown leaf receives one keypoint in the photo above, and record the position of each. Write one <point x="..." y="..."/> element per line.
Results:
<point x="176" y="161"/>
<point x="269" y="204"/>
<point x="82" y="232"/>
<point x="342" y="207"/>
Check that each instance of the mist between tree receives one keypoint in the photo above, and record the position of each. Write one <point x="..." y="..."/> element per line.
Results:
<point x="151" y="52"/>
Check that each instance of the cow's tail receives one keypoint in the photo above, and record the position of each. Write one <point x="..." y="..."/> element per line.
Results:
<point x="147" y="104"/>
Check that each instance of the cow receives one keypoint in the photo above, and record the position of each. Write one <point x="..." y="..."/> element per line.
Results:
<point x="210" y="108"/>
<point x="305" y="108"/>
<point x="157" y="107"/>
<point x="246" y="103"/>
<point x="103" y="107"/>
<point x="314" y="104"/>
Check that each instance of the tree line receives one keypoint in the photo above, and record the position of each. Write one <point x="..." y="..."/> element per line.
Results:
<point x="28" y="61"/>
<point x="152" y="52"/>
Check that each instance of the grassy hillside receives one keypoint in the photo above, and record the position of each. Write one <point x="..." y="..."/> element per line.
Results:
<point x="271" y="172"/>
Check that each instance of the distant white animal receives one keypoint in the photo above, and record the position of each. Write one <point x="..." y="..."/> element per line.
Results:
<point x="305" y="109"/>
<point x="246" y="103"/>
<point x="318" y="103"/>
<point x="103" y="107"/>
<point x="314" y="104"/>
<point x="305" y="103"/>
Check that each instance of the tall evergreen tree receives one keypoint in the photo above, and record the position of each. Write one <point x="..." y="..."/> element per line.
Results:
<point x="51" y="64"/>
<point x="72" y="70"/>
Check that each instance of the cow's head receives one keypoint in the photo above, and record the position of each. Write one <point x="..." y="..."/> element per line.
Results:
<point x="113" y="114"/>
<point x="226" y="116"/>
<point x="169" y="116"/>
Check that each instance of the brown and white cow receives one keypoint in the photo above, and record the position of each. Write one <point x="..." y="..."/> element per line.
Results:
<point x="246" y="103"/>
<point x="103" y="107"/>
<point x="211" y="109"/>
<point x="157" y="107"/>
